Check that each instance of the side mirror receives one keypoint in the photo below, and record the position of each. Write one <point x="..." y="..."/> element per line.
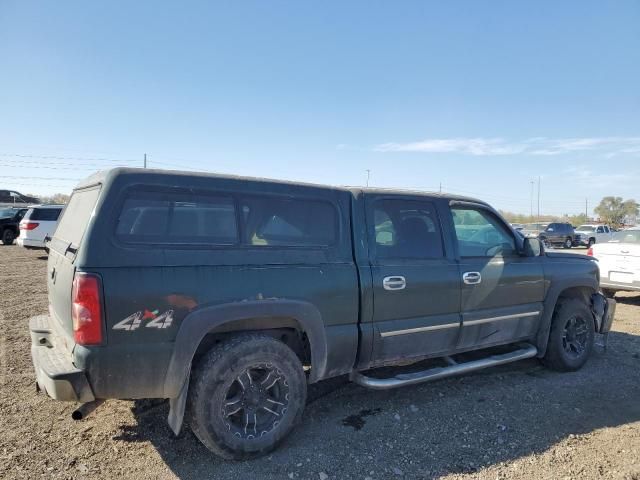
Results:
<point x="532" y="247"/>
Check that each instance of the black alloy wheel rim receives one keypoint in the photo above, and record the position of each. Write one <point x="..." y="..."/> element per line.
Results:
<point x="256" y="401"/>
<point x="575" y="335"/>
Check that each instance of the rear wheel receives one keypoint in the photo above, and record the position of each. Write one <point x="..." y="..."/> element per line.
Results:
<point x="8" y="237"/>
<point x="247" y="394"/>
<point x="571" y="336"/>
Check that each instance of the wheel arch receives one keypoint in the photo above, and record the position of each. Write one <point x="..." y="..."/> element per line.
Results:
<point x="268" y="314"/>
<point x="559" y="291"/>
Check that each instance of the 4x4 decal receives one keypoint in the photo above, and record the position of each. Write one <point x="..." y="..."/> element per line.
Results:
<point x="133" y="322"/>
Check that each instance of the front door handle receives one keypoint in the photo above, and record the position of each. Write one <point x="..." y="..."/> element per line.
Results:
<point x="472" y="278"/>
<point x="395" y="282"/>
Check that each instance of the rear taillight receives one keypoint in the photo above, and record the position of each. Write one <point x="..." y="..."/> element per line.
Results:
<point x="590" y="252"/>
<point x="86" y="308"/>
<point x="29" y="226"/>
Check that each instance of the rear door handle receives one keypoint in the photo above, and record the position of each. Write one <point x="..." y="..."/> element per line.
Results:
<point x="472" y="278"/>
<point x="395" y="282"/>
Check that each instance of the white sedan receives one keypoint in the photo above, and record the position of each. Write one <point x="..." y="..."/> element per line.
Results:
<point x="619" y="261"/>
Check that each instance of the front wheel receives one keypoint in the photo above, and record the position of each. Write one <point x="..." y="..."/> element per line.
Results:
<point x="571" y="336"/>
<point x="592" y="242"/>
<point x="568" y="243"/>
<point x="247" y="394"/>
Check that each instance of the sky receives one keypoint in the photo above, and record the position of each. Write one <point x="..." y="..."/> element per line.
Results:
<point x="475" y="97"/>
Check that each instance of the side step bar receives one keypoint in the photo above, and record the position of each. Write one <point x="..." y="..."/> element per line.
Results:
<point x="436" y="373"/>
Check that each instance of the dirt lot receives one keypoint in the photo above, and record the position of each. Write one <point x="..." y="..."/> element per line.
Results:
<point x="517" y="421"/>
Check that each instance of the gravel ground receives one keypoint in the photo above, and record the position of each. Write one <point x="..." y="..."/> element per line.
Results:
<point x="512" y="422"/>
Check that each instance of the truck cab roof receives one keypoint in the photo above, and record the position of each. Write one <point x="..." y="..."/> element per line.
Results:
<point x="108" y="176"/>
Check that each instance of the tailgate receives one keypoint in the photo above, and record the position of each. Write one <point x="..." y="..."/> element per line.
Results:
<point x="63" y="247"/>
<point x="618" y="260"/>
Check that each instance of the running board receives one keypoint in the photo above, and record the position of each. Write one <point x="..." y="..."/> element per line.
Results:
<point x="436" y="373"/>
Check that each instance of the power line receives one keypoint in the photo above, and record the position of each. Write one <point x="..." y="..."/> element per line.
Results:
<point x="48" y="167"/>
<point x="37" y="163"/>
<point x="42" y="178"/>
<point x="55" y="157"/>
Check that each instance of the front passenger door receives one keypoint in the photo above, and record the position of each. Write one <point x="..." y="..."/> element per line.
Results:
<point x="502" y="291"/>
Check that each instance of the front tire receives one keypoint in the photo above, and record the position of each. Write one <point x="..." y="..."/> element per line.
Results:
<point x="571" y="336"/>
<point x="8" y="237"/>
<point x="568" y="243"/>
<point x="247" y="394"/>
<point x="592" y="242"/>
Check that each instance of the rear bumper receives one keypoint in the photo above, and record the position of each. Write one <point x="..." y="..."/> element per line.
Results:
<point x="30" y="243"/>
<point x="54" y="369"/>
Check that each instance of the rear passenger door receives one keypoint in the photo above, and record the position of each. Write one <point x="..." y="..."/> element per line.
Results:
<point x="502" y="291"/>
<point x="416" y="283"/>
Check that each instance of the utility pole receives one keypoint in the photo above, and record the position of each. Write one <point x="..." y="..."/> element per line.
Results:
<point x="440" y="187"/>
<point x="586" y="209"/>
<point x="368" y="175"/>
<point x="531" y="200"/>
<point x="539" y="180"/>
<point x="145" y="160"/>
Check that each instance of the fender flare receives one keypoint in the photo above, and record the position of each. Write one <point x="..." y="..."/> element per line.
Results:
<point x="197" y="324"/>
<point x="558" y="286"/>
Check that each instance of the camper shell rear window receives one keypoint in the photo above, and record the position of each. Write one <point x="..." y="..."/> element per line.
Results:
<point x="76" y="215"/>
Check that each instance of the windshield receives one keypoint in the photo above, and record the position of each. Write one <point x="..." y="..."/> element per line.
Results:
<point x="626" y="236"/>
<point x="586" y="228"/>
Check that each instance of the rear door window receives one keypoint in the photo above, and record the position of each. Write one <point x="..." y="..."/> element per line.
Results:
<point x="45" y="214"/>
<point x="274" y="221"/>
<point x="177" y="218"/>
<point x="77" y="215"/>
<point x="406" y="229"/>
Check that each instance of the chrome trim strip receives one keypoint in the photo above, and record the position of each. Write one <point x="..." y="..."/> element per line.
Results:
<point x="496" y="319"/>
<point x="393" y="333"/>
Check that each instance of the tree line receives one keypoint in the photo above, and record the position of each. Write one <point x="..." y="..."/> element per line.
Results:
<point x="614" y="211"/>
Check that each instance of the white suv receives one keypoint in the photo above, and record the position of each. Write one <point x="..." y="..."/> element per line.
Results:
<point x="39" y="222"/>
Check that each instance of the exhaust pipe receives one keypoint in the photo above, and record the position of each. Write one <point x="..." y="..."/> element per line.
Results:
<point x="85" y="409"/>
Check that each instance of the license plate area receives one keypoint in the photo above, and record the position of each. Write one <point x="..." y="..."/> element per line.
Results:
<point x="621" y="277"/>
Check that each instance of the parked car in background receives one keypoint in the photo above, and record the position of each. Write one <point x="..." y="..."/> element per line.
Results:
<point x="11" y="197"/>
<point x="9" y="221"/>
<point x="39" y="222"/>
<point x="558" y="233"/>
<point x="619" y="261"/>
<point x="590" y="234"/>
<point x="532" y="230"/>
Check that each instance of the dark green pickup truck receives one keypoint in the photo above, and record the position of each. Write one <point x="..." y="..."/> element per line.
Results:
<point x="229" y="295"/>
